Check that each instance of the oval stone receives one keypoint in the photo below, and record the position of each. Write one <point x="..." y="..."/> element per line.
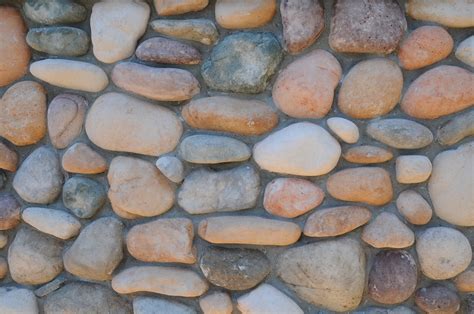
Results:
<point x="54" y="11"/>
<point x="52" y="221"/>
<point x="414" y="207"/>
<point x="199" y="30"/>
<point x="167" y="7"/>
<point x="83" y="196"/>
<point x="345" y="129"/>
<point x="244" y="14"/>
<point x="267" y="299"/>
<point x="412" y="169"/>
<point x="457" y="129"/>
<point x="456" y="14"/>
<point x="367" y="154"/>
<point x="164" y="50"/>
<point x="400" y="133"/>
<point x="465" y="51"/>
<point x="437" y="299"/>
<point x="81" y="158"/>
<point x="387" y="231"/>
<point x="9" y="212"/>
<point x="61" y="41"/>
<point x="171" y="167"/>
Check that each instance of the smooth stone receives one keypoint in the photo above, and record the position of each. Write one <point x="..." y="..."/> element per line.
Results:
<point x="60" y="41"/>
<point x="400" y="133"/>
<point x="14" y="52"/>
<point x="137" y="187"/>
<point x="454" y="92"/>
<point x="457" y="129"/>
<point x="3" y="179"/>
<point x="145" y="128"/>
<point x="200" y="30"/>
<point x="392" y="277"/>
<point x="85" y="298"/>
<point x="66" y="114"/>
<point x="213" y="149"/>
<point x="334" y="221"/>
<point x="97" y="250"/>
<point x="227" y="69"/>
<point x="15" y="300"/>
<point x="424" y="46"/>
<point x="9" y="212"/>
<point x="328" y="274"/>
<point x="51" y="286"/>
<point x="371" y="185"/>
<point x="70" y="74"/>
<point x="291" y="197"/>
<point x="228" y="114"/>
<point x="164" y="50"/>
<point x="54" y="11"/>
<point x="367" y="154"/>
<point x="437" y="299"/>
<point x="167" y="240"/>
<point x="148" y="305"/>
<point x="204" y="191"/>
<point x="387" y="231"/>
<point x="414" y="207"/>
<point x="382" y="310"/>
<point x="52" y="221"/>
<point x="267" y="299"/>
<point x="248" y="230"/>
<point x="465" y="51"/>
<point x="39" y="179"/>
<point x="114" y="37"/>
<point x="244" y="14"/>
<point x="3" y="267"/>
<point x="412" y="169"/>
<point x="34" y="258"/>
<point x="23" y="113"/>
<point x="345" y="129"/>
<point x="234" y="269"/>
<point x="175" y="7"/>
<point x="305" y="88"/>
<point x="363" y="26"/>
<point x="3" y="240"/>
<point x="81" y="158"/>
<point x="303" y="22"/>
<point x="318" y="151"/>
<point x="171" y="167"/>
<point x="451" y="185"/>
<point x="83" y="196"/>
<point x="170" y="281"/>
<point x="216" y="303"/>
<point x="443" y="252"/>
<point x="372" y="88"/>
<point x="465" y="281"/>
<point x="457" y="14"/>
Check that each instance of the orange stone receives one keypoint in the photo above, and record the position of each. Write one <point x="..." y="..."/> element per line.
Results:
<point x="465" y="281"/>
<point x="244" y="14"/>
<point x="8" y="158"/>
<point x="367" y="154"/>
<point x="80" y="158"/>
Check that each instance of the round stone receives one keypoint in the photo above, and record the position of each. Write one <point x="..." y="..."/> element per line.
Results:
<point x="414" y="207"/>
<point x="54" y="11"/>
<point x="60" y="41"/>
<point x="437" y="299"/>
<point x="18" y="300"/>
<point x="387" y="231"/>
<point x="83" y="196"/>
<point x="367" y="154"/>
<point x="345" y="129"/>
<point x="400" y="133"/>
<point x="244" y="14"/>
<point x="81" y="158"/>
<point x="9" y="212"/>
<point x="412" y="169"/>
<point x="171" y="167"/>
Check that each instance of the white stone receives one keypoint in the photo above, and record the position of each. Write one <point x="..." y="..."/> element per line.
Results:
<point x="267" y="299"/>
<point x="52" y="221"/>
<point x="147" y="305"/>
<point x="216" y="303"/>
<point x="17" y="301"/>
<point x="412" y="169"/>
<point x="465" y="51"/>
<point x="171" y="167"/>
<point x="345" y="129"/>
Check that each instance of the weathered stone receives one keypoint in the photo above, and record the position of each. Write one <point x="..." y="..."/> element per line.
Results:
<point x="244" y="14"/>
<point x="52" y="221"/>
<point x="213" y="149"/>
<point x="9" y="212"/>
<point x="174" y="7"/>
<point x="205" y="191"/>
<point x="81" y="158"/>
<point x="456" y="14"/>
<point x="367" y="154"/>
<point x="216" y="303"/>
<point x="54" y="11"/>
<point x="400" y="133"/>
<point x="345" y="129"/>
<point x="465" y="281"/>
<point x="148" y="305"/>
<point x="414" y="207"/>
<point x="387" y="231"/>
<point x="412" y="169"/>
<point x="171" y="167"/>
<point x="465" y="51"/>
<point x="457" y="129"/>
<point x="51" y="286"/>
<point x="267" y="299"/>
<point x="83" y="196"/>
<point x="61" y="41"/>
<point x="200" y="30"/>
<point x="437" y="299"/>
<point x="15" y="300"/>
<point x="164" y="50"/>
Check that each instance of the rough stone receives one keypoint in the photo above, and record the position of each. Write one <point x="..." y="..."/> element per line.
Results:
<point x="174" y="7"/>
<point x="54" y="11"/>
<point x="414" y="207"/>
<point x="83" y="196"/>
<point x="267" y="299"/>
<point x="244" y="14"/>
<point x="465" y="281"/>
<point x="387" y="231"/>
<point x="52" y="221"/>
<point x="148" y="305"/>
<point x="412" y="169"/>
<point x="400" y="133"/>
<point x="457" y="129"/>
<point x="9" y="211"/>
<point x="216" y="303"/>
<point x="164" y="50"/>
<point x="367" y="154"/>
<point x="456" y="14"/>
<point x="437" y="299"/>
<point x="171" y="167"/>
<point x="199" y="30"/>
<point x="15" y="300"/>
<point x="81" y="158"/>
<point x="345" y="129"/>
<point x="465" y="51"/>
<point x="60" y="41"/>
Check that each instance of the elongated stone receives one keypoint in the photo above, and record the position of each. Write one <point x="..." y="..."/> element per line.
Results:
<point x="164" y="50"/>
<point x="54" y="11"/>
<point x="174" y="7"/>
<point x="456" y="14"/>
<point x="244" y="14"/>
<point x="400" y="133"/>
<point x="52" y="221"/>
<point x="61" y="41"/>
<point x="200" y="30"/>
<point x="457" y="129"/>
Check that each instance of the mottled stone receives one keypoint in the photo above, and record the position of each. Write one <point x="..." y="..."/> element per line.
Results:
<point x="52" y="221"/>
<point x="9" y="212"/>
<point x="457" y="129"/>
<point x="450" y="14"/>
<point x="51" y="286"/>
<point x="465" y="281"/>
<point x="171" y="167"/>
<point x="367" y="154"/>
<point x="216" y="303"/>
<point x="81" y="158"/>
<point x="414" y="207"/>
<point x="437" y="299"/>
<point x="148" y="305"/>
<point x="345" y="129"/>
<point x="60" y="41"/>
<point x="83" y="196"/>
<point x="388" y="231"/>
<point x="412" y="169"/>
<point x="199" y="30"/>
<point x="213" y="149"/>
<point x="164" y="50"/>
<point x="267" y="299"/>
<point x="15" y="300"/>
<point x="465" y="51"/>
<point x="400" y="133"/>
<point x="175" y="7"/>
<point x="244" y="14"/>
<point x="54" y="11"/>
<point x="3" y="179"/>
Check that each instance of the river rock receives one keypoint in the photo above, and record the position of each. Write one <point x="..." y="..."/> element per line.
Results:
<point x="9" y="211"/>
<point x="457" y="14"/>
<point x="318" y="151"/>
<point x="148" y="305"/>
<point x="52" y="221"/>
<point x="205" y="191"/>
<point x="372" y="88"/>
<point x="244" y="14"/>
<point x="174" y="7"/>
<point x="465" y="51"/>
<point x="216" y="303"/>
<point x="229" y="70"/>
<point x="54" y="11"/>
<point x="3" y="179"/>
<point x="8" y="158"/>
<point x="367" y="154"/>
<point x="437" y="299"/>
<point x="213" y="149"/>
<point x="199" y="30"/>
<point x="345" y="129"/>
<point x="3" y="268"/>
<point x="83" y="196"/>
<point x="18" y="300"/>
<point x="3" y="240"/>
<point x="267" y="299"/>
<point x="60" y="41"/>
<point x="457" y="129"/>
<point x="412" y="169"/>
<point x="171" y="167"/>
<point x="81" y="158"/>
<point x="414" y="207"/>
<point x="164" y="50"/>
<point x="400" y="133"/>
<point x="387" y="231"/>
<point x="145" y="128"/>
<point x="465" y="281"/>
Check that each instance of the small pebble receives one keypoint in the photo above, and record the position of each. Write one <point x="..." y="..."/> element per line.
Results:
<point x="244" y="14"/>
<point x="8" y="158"/>
<point x="50" y="287"/>
<point x="3" y="240"/>
<point x="3" y="268"/>
<point x="171" y="167"/>
<point x="387" y="231"/>
<point x="367" y="154"/>
<point x="412" y="169"/>
<point x="437" y="299"/>
<point x="216" y="303"/>
<point x="465" y="281"/>
<point x="267" y="299"/>
<point x="52" y="221"/>
<point x="9" y="211"/>
<point x="167" y="51"/>
<point x="200" y="30"/>
<point x="81" y="158"/>
<point x="83" y="196"/>
<point x="345" y="129"/>
<point x="414" y="207"/>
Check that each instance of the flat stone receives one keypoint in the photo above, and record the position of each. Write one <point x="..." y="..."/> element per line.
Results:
<point x="246" y="14"/>
<point x="39" y="179"/>
<point x="437" y="299"/>
<point x="148" y="305"/>
<point x="334" y="221"/>
<point x="164" y="240"/>
<point x="345" y="129"/>
<point x="371" y="185"/>
<point x="51" y="286"/>
<point x="414" y="207"/>
<point x="372" y="88"/>
<point x="205" y="191"/>
<point x="267" y="299"/>
<point x="34" y="258"/>
<point x="229" y="70"/>
<point x="83" y="196"/>
<point x="17" y="300"/>
<point x="60" y="41"/>
<point x="54" y="11"/>
<point x="367" y="154"/>
<point x="23" y="113"/>
<point x="175" y="7"/>
<point x="291" y="197"/>
<point x="164" y="50"/>
<point x="199" y="30"/>
<point x="9" y="211"/>
<point x="305" y="88"/>
<point x="111" y="43"/>
<point x="171" y="167"/>
<point x="216" y="303"/>
<point x="66" y="114"/>
<point x="388" y="231"/>
<point x="145" y="128"/>
<point x="392" y="277"/>
<point x="248" y="230"/>
<point x="412" y="169"/>
<point x="170" y="281"/>
<point x="328" y="274"/>
<point x="163" y="84"/>
<point x="465" y="281"/>
<point x="453" y="93"/>
<point x="457" y="129"/>
<point x="318" y="152"/>
<point x="465" y="51"/>
<point x="97" y="251"/>
<point x="458" y="14"/>
<point x="234" y="269"/>
<point x="364" y="26"/>
<point x="303" y="22"/>
<point x="213" y="149"/>
<point x="81" y="158"/>
<point x="52" y="221"/>
<point x="400" y="133"/>
<point x="70" y="74"/>
<point x="137" y="187"/>
<point x="451" y="185"/>
<point x="228" y="114"/>
<point x="424" y="46"/>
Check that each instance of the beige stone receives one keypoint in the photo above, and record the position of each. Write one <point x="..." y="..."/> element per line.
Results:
<point x="216" y="303"/>
<point x="174" y="7"/>
<point x="414" y="207"/>
<point x="3" y="268"/>
<point x="465" y="281"/>
<point x="465" y="51"/>
<point x="345" y="129"/>
<point x="387" y="231"/>
<point x="367" y="154"/>
<point x="8" y="158"/>
<point x="267" y="299"/>
<point x="52" y="221"/>
<point x="412" y="169"/>
<point x="81" y="158"/>
<point x="244" y="14"/>
<point x="457" y="13"/>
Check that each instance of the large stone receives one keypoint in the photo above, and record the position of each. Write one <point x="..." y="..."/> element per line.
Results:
<point x="400" y="133"/>
<point x="303" y="148"/>
<point x="229" y="70"/>
<point x="61" y="41"/>
<point x="164" y="50"/>
<point x="328" y="274"/>
<point x="54" y="11"/>
<point x="367" y="154"/>
<point x="17" y="300"/>
<point x="388" y="231"/>
<point x="81" y="158"/>
<point x="9" y="211"/>
<point x="465" y="51"/>
<point x="457" y="129"/>
<point x="267" y="299"/>
<point x="8" y="158"/>
<point x="205" y="191"/>
<point x="83" y="196"/>
<point x="451" y="14"/>
<point x="216" y="303"/>
<point x="145" y="128"/>
<point x="414" y="207"/>
<point x="199" y="30"/>
<point x="437" y="299"/>
<point x="149" y="305"/>
<point x="174" y="7"/>
<point x="244" y="14"/>
<point x="52" y="221"/>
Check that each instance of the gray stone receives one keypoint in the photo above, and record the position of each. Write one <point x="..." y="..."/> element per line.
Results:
<point x="205" y="191"/>
<point x="168" y="51"/>
<point x="234" y="269"/>
<point x="148" y="305"/>
<point x="50" y="287"/>
<point x="9" y="211"/>
<point x="61" y="41"/>
<point x="200" y="30"/>
<point x="17" y="301"/>
<point x="400" y="133"/>
<point x="457" y="129"/>
<point x="381" y="310"/>
<point x="83" y="196"/>
<point x="171" y="167"/>
<point x="3" y="179"/>
<point x="54" y="11"/>
<point x="242" y="63"/>
<point x="437" y="299"/>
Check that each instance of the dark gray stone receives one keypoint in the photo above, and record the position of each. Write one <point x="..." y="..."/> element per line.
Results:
<point x="61" y="41"/>
<point x="50" y="287"/>
<point x="456" y="129"/>
<point x="54" y="11"/>
<point x="3" y="179"/>
<point x="437" y="299"/>
<point x="83" y="196"/>
<point x="400" y="133"/>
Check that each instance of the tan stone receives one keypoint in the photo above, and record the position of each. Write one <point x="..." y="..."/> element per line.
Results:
<point x="52" y="221"/>
<point x="3" y="267"/>
<point x="216" y="303"/>
<point x="8" y="158"/>
<point x="414" y="207"/>
<point x="465" y="281"/>
<point x="80" y="158"/>
<point x="465" y="51"/>
<point x="449" y="13"/>
<point x="244" y="14"/>
<point x="412" y="169"/>
<point x="367" y="154"/>
<point x="267" y="299"/>
<point x="387" y="231"/>
<point x="345" y="129"/>
<point x="174" y="7"/>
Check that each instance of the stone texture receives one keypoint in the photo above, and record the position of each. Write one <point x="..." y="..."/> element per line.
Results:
<point x="400" y="133"/>
<point x="164" y="50"/>
<point x="305" y="88"/>
<point x="412" y="169"/>
<point x="54" y="11"/>
<point x="414" y="207"/>
<point x="267" y="299"/>
<point x="364" y="26"/>
<point x="52" y="221"/>
<point x="216" y="303"/>
<point x="372" y="88"/>
<point x="171" y="167"/>
<point x="83" y="196"/>
<point x="174" y="7"/>
<point x="81" y="158"/>
<point x="465" y="51"/>
<point x="60" y="41"/>
<point x="15" y="300"/>
<point x="456" y="129"/>
<point x="345" y="129"/>
<point x="148" y="305"/>
<point x="51" y="286"/>
<point x="3" y="268"/>
<point x="9" y="211"/>
<point x="437" y="299"/>
<point x="328" y="274"/>
<point x="199" y="30"/>
<point x="465" y="281"/>
<point x="145" y="128"/>
<point x="244" y="14"/>
<point x="387" y="231"/>
<point x="367" y="154"/>
<point x="318" y="152"/>
<point x="3" y="240"/>
<point x="456" y="14"/>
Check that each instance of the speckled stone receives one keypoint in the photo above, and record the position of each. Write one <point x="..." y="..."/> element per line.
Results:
<point x="437" y="299"/>
<point x="457" y="129"/>
<point x="83" y="196"/>
<point x="200" y="30"/>
<point x="400" y="133"/>
<point x="60" y="41"/>
<point x="54" y="11"/>
<point x="456" y="14"/>
<point x="388" y="231"/>
<point x="168" y="51"/>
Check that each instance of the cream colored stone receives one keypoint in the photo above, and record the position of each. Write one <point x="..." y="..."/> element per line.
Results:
<point x="412" y="169"/>
<point x="52" y="221"/>
<point x="387" y="231"/>
<point x="267" y="299"/>
<point x="81" y="158"/>
<point x="245" y="13"/>
<point x="174" y="7"/>
<point x="457" y="13"/>
<point x="216" y="303"/>
<point x="414" y="207"/>
<point x="345" y="129"/>
<point x="465" y="281"/>
<point x="465" y="51"/>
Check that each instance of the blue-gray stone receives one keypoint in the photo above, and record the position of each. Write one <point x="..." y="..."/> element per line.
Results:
<point x="83" y="196"/>
<point x="61" y="41"/>
<point x="51" y="12"/>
